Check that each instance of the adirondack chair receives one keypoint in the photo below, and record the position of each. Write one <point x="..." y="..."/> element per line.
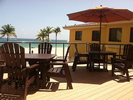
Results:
<point x="62" y="72"/>
<point x="77" y="59"/>
<point x="124" y="65"/>
<point x="63" y="59"/>
<point x="125" y="52"/>
<point x="43" y="48"/>
<point x="119" y="58"/>
<point x="97" y="59"/>
<point x="15" y="66"/>
<point x="1" y="60"/>
<point x="94" y="47"/>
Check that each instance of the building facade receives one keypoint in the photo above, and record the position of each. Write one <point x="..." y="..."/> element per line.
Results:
<point x="111" y="33"/>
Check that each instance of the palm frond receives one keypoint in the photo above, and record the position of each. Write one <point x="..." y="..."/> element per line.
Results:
<point x="7" y="30"/>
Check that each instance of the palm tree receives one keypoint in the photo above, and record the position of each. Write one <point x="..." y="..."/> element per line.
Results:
<point x="56" y="31"/>
<point x="48" y="30"/>
<point x="42" y="35"/>
<point x="8" y="30"/>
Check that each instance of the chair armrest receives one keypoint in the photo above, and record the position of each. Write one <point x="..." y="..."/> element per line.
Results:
<point x="118" y="60"/>
<point x="58" y="63"/>
<point x="34" y="66"/>
<point x="2" y="64"/>
<point x="83" y="55"/>
<point x="53" y="60"/>
<point x="119" y="55"/>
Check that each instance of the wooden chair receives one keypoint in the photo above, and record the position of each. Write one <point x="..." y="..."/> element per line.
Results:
<point x="94" y="47"/>
<point x="125" y="51"/>
<point x="62" y="71"/>
<point x="44" y="48"/>
<point x="65" y="58"/>
<point x="119" y="58"/>
<point x="97" y="60"/>
<point x="123" y="66"/>
<point x="15" y="66"/>
<point x="124" y="54"/>
<point x="1" y="60"/>
<point x="77" y="59"/>
<point x="61" y="60"/>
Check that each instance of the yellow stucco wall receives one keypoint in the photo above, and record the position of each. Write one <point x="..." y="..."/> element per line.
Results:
<point x="126" y="27"/>
<point x="87" y="36"/>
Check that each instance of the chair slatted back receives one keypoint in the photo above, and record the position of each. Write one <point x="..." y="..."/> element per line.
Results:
<point x="125" y="50"/>
<point x="125" y="64"/>
<point x="130" y="53"/>
<point x="95" y="47"/>
<point x="76" y="49"/>
<point x="65" y="59"/>
<point x="14" y="55"/>
<point x="63" y="72"/>
<point x="18" y="73"/>
<point x="44" y="48"/>
<point x="78" y="60"/>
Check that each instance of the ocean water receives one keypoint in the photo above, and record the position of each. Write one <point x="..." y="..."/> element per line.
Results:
<point x="34" y="43"/>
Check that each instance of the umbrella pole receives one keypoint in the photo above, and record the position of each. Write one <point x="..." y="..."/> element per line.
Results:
<point x="100" y="36"/>
<point x="100" y="26"/>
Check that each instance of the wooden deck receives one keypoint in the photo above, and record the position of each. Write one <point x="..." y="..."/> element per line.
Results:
<point x="87" y="86"/>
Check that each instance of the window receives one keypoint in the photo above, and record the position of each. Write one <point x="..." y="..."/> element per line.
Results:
<point x="78" y="35"/>
<point x="131" y="35"/>
<point x="115" y="34"/>
<point x="95" y="35"/>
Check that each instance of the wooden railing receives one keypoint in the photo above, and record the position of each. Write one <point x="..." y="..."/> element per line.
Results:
<point x="30" y="46"/>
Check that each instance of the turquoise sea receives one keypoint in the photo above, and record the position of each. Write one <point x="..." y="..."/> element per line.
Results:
<point x="34" y="43"/>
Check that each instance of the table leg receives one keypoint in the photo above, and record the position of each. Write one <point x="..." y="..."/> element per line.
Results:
<point x="113" y="65"/>
<point x="75" y="63"/>
<point x="92" y="62"/>
<point x="44" y="70"/>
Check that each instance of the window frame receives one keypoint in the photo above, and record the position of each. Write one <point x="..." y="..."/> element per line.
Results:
<point x="131" y="34"/>
<point x="78" y="35"/>
<point x="97" y="35"/>
<point x="115" y="35"/>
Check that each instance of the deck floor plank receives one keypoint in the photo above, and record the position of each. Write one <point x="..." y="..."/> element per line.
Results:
<point x="87" y="86"/>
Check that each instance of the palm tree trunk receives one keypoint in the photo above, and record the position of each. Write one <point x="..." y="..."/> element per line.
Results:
<point x="56" y="45"/>
<point x="7" y="38"/>
<point x="48" y="38"/>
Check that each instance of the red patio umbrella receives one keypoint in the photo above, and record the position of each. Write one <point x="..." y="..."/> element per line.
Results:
<point x="101" y="14"/>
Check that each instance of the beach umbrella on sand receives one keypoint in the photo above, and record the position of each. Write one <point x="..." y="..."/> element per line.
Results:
<point x="101" y="14"/>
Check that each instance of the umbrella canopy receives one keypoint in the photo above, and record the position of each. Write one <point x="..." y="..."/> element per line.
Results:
<point x="101" y="14"/>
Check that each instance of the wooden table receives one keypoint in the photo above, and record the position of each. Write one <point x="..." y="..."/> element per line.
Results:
<point x="44" y="59"/>
<point x="105" y="53"/>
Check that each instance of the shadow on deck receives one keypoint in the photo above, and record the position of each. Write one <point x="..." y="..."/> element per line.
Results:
<point x="81" y="78"/>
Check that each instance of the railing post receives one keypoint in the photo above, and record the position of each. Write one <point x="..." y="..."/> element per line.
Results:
<point x="29" y="47"/>
<point x="86" y="47"/>
<point x="120" y="51"/>
<point x="63" y="50"/>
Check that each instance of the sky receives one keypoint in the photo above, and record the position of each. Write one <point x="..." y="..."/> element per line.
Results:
<point x="29" y="16"/>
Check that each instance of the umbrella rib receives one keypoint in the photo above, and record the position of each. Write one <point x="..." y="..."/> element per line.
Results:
<point x="77" y="16"/>
<point x="90" y="16"/>
<point x="93" y="14"/>
<point x="105" y="17"/>
<point x="119" y="15"/>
